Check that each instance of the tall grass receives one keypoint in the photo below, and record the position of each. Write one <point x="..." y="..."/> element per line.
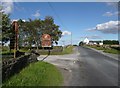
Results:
<point x="36" y="74"/>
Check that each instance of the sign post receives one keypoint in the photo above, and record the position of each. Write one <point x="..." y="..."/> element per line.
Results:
<point x="46" y="40"/>
<point x="15" y="24"/>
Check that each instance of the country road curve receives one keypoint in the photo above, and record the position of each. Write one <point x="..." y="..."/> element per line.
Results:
<point x="86" y="67"/>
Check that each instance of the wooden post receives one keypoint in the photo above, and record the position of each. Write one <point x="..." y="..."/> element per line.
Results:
<point x="16" y="38"/>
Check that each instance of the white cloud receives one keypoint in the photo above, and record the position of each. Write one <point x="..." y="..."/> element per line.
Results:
<point x="19" y="8"/>
<point x="66" y="33"/>
<point x="117" y="13"/>
<point x="7" y="6"/>
<point x="113" y="4"/>
<point x="108" y="14"/>
<point x="111" y="14"/>
<point x="93" y="37"/>
<point x="17" y="20"/>
<point x="110" y="27"/>
<point x="37" y="13"/>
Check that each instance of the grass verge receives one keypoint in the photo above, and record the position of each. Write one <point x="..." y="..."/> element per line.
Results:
<point x="98" y="48"/>
<point x="37" y="74"/>
<point x="106" y="50"/>
<point x="112" y="51"/>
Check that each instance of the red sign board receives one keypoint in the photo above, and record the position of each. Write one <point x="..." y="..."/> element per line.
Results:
<point x="46" y="40"/>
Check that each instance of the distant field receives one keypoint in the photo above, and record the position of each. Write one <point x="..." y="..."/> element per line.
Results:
<point x="37" y="74"/>
<point x="58" y="51"/>
<point x="55" y="50"/>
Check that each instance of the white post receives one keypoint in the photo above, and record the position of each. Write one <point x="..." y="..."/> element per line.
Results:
<point x="71" y="38"/>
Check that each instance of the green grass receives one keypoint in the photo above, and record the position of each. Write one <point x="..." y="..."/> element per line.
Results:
<point x="106" y="50"/>
<point x="66" y="50"/>
<point x="6" y="52"/>
<point x="112" y="51"/>
<point x="96" y="47"/>
<point x="37" y="74"/>
<point x="24" y="50"/>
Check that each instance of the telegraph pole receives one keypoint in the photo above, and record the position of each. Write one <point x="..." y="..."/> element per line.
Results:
<point x="71" y="38"/>
<point x="63" y="44"/>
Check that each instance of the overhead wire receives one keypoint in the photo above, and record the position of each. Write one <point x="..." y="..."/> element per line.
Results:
<point x="52" y="8"/>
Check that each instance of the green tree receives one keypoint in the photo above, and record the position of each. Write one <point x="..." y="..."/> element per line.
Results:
<point x="8" y="32"/>
<point x="21" y="32"/>
<point x="30" y="32"/>
<point x="6" y="25"/>
<point x="51" y="28"/>
<point x="12" y="37"/>
<point x="35" y="28"/>
<point x="81" y="43"/>
<point x="111" y="42"/>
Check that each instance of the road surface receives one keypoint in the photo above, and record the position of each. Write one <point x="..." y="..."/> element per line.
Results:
<point x="86" y="67"/>
<point x="95" y="69"/>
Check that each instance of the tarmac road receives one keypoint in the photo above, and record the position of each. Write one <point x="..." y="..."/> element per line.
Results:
<point x="86" y="67"/>
<point x="95" y="69"/>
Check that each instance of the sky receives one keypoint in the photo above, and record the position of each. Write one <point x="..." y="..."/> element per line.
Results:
<point x="94" y="20"/>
